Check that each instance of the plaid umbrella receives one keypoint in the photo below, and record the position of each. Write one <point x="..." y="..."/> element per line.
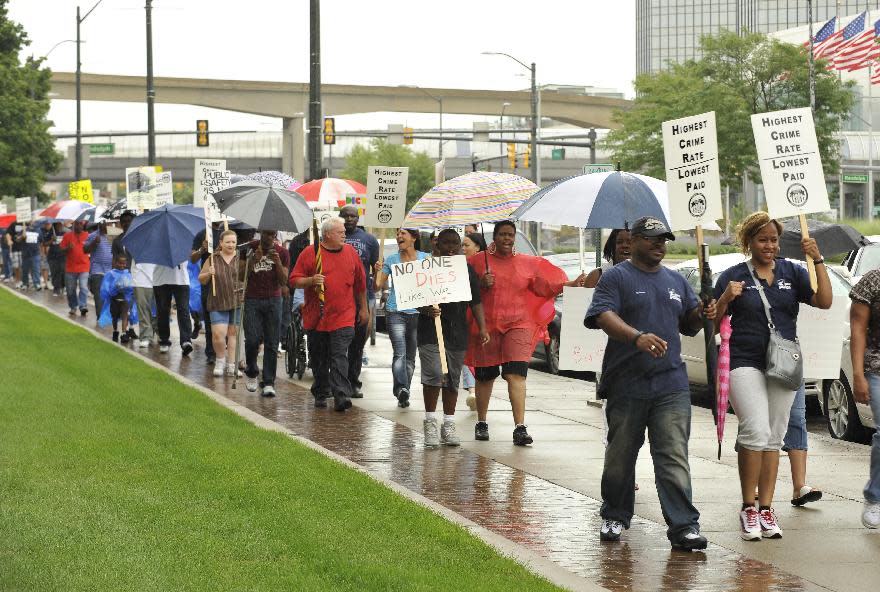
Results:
<point x="470" y="199"/>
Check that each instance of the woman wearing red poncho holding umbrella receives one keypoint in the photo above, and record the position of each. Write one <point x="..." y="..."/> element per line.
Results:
<point x="517" y="292"/>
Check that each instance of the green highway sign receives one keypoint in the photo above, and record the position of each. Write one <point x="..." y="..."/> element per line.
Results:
<point x="598" y="168"/>
<point x="855" y="178"/>
<point x="108" y="148"/>
<point x="558" y="154"/>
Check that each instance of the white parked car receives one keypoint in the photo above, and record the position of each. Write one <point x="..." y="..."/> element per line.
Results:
<point x="846" y="419"/>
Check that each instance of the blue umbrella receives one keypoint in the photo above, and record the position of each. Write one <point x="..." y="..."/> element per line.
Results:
<point x="164" y="236"/>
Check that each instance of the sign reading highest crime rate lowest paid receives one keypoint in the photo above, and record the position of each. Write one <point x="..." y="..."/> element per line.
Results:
<point x="386" y="196"/>
<point x="435" y="280"/>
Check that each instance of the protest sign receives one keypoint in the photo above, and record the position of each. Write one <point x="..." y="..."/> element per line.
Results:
<point x="820" y="334"/>
<point x="358" y="200"/>
<point x="386" y="196"/>
<point x="164" y="190"/>
<point x="81" y="191"/>
<point x="2" y="208"/>
<point x="323" y="215"/>
<point x="435" y="280"/>
<point x="23" y="209"/>
<point x="140" y="185"/>
<point x="791" y="169"/>
<point x="210" y="176"/>
<point x="690" y="148"/>
<point x="580" y="348"/>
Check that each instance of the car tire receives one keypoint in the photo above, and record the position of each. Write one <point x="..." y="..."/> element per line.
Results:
<point x="841" y="414"/>
<point x="552" y="353"/>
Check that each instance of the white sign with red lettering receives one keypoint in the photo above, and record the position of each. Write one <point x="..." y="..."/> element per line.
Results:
<point x="435" y="280"/>
<point x="580" y="348"/>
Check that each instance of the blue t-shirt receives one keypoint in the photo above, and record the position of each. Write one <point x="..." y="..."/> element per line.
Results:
<point x="391" y="305"/>
<point x="654" y="302"/>
<point x="367" y="248"/>
<point x="750" y="337"/>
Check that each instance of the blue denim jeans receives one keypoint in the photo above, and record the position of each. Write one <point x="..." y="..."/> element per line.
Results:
<point x="467" y="378"/>
<point x="668" y="421"/>
<point x="796" y="436"/>
<point x="73" y="281"/>
<point x="7" y="263"/>
<point x="872" y="488"/>
<point x="30" y="268"/>
<point x="262" y="320"/>
<point x="403" y="332"/>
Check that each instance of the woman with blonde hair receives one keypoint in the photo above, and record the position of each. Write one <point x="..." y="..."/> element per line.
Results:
<point x="762" y="405"/>
<point x="220" y="279"/>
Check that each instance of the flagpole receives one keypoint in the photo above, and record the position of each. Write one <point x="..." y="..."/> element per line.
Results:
<point x="870" y="196"/>
<point x="812" y="60"/>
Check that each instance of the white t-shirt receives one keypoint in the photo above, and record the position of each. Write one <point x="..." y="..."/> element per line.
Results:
<point x="142" y="274"/>
<point x="170" y="276"/>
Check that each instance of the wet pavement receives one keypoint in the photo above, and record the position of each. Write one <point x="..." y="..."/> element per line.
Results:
<point x="544" y="497"/>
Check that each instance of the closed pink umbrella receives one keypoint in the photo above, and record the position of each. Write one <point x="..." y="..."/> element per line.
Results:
<point x="723" y="378"/>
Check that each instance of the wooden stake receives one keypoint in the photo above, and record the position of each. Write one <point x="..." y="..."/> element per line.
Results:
<point x="381" y="248"/>
<point x="213" y="277"/>
<point x="811" y="265"/>
<point x="440" y="343"/>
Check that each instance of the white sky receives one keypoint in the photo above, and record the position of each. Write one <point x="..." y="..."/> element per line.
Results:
<point x="384" y="42"/>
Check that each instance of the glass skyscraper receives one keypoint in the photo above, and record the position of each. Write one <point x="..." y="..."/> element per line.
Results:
<point x="669" y="31"/>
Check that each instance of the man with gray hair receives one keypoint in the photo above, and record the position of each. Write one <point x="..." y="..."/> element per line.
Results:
<point x="332" y="275"/>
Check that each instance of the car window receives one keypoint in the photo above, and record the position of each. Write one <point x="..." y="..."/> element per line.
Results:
<point x="869" y="260"/>
<point x="690" y="274"/>
<point x="839" y="286"/>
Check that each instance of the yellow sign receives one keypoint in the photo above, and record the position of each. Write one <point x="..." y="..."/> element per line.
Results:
<point x="81" y="191"/>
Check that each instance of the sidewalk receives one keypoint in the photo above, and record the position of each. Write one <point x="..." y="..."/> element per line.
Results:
<point x="545" y="497"/>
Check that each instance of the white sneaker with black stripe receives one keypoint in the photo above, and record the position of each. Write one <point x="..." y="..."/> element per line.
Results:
<point x="769" y="527"/>
<point x="749" y="528"/>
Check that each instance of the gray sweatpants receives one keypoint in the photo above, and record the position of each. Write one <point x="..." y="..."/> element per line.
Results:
<point x="146" y="321"/>
<point x="762" y="408"/>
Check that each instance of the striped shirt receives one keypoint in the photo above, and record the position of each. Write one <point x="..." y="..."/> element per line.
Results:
<point x="228" y="287"/>
<point x="102" y="256"/>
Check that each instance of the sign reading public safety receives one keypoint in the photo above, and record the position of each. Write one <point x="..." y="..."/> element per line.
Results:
<point x="690" y="147"/>
<point x="386" y="196"/>
<point x="791" y="168"/>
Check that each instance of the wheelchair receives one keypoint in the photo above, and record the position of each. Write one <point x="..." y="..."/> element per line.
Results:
<point x="296" y="354"/>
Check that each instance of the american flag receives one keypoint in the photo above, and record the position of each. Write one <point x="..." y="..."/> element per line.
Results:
<point x="827" y="30"/>
<point x="875" y="76"/>
<point x="833" y="43"/>
<point x="856" y="54"/>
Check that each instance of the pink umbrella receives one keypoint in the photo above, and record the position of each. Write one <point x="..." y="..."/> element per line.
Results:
<point x="723" y="378"/>
<point x="329" y="192"/>
<point x="67" y="209"/>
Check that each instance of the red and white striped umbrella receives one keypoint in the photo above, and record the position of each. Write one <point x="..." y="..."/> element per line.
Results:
<point x="67" y="209"/>
<point x="329" y="192"/>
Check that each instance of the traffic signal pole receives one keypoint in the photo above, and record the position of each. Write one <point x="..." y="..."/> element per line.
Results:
<point x="315" y="115"/>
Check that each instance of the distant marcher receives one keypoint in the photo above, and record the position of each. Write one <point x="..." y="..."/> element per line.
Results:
<point x="47" y="236"/>
<point x="13" y="231"/>
<point x="172" y="283"/>
<point x="795" y="444"/>
<point x="367" y="248"/>
<point x="643" y="306"/>
<point x="222" y="289"/>
<point x="6" y="251"/>
<point x="32" y="240"/>
<point x="100" y="249"/>
<point x="454" y="324"/>
<point x="56" y="259"/>
<point x="76" y="269"/>
<point x="402" y="323"/>
<point x="200" y="254"/>
<point x="762" y="406"/>
<point x="267" y="274"/>
<point x="116" y="247"/>
<point x="472" y="244"/>
<point x="117" y="294"/>
<point x="330" y="326"/>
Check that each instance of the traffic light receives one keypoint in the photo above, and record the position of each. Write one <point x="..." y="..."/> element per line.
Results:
<point x="511" y="154"/>
<point x="407" y="135"/>
<point x="202" y="140"/>
<point x="329" y="130"/>
<point x="526" y="156"/>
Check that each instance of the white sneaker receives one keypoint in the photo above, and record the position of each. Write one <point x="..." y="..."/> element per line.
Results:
<point x="144" y="343"/>
<point x="769" y="528"/>
<point x="231" y="371"/>
<point x="163" y="349"/>
<point x="432" y="434"/>
<point x="268" y="391"/>
<point x="448" y="434"/>
<point x="871" y="515"/>
<point x="610" y="530"/>
<point x="219" y="367"/>
<point x="749" y="529"/>
<point x="251" y="384"/>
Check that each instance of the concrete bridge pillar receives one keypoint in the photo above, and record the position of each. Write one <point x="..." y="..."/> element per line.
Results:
<point x="293" y="148"/>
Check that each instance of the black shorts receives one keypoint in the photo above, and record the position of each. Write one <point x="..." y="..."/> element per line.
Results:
<point x="486" y="373"/>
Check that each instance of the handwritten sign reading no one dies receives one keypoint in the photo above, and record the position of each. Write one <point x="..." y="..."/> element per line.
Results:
<point x="435" y="280"/>
<point x="791" y="169"/>
<point x="580" y="348"/>
<point x="386" y="196"/>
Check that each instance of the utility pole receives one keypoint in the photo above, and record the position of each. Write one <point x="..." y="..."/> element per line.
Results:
<point x="151" y="90"/>
<point x="533" y="165"/>
<point x="78" y="157"/>
<point x="315" y="115"/>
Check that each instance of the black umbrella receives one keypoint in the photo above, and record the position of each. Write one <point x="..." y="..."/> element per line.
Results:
<point x="832" y="238"/>
<point x="706" y="296"/>
<point x="115" y="210"/>
<point x="265" y="207"/>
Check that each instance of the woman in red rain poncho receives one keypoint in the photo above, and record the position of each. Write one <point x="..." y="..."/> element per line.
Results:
<point x="517" y="292"/>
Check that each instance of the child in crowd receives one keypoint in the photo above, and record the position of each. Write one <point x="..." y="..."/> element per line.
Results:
<point x="117" y="294"/>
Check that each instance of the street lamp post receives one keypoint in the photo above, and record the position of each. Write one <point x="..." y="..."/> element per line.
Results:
<point x="151" y="90"/>
<point x="440" y="103"/>
<point x="501" y="132"/>
<point x="78" y="157"/>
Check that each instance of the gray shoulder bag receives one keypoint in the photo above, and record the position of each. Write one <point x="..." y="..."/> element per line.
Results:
<point x="785" y="365"/>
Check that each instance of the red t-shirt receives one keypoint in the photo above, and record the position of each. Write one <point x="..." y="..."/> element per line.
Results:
<point x="263" y="282"/>
<point x="77" y="260"/>
<point x="344" y="280"/>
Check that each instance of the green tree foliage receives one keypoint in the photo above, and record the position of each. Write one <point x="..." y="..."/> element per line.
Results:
<point x="27" y="151"/>
<point x="381" y="153"/>
<point x="737" y="77"/>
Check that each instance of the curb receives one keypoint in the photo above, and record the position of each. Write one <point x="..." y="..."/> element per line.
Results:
<point x="530" y="560"/>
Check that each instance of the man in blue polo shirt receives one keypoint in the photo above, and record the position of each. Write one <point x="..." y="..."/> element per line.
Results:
<point x="643" y="306"/>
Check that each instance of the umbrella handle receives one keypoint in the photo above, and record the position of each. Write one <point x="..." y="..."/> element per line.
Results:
<point x="811" y="265"/>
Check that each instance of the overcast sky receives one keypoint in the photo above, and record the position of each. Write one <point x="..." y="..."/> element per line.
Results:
<point x="384" y="42"/>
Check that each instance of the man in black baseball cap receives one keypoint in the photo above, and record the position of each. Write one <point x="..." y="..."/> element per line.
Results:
<point x="651" y="227"/>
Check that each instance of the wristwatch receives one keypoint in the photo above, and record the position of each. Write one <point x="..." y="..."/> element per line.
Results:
<point x="819" y="261"/>
<point x="636" y="336"/>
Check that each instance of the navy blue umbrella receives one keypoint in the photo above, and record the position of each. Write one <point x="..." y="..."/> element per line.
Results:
<point x="164" y="236"/>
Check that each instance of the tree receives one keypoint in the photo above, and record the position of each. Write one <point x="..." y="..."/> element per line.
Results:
<point x="737" y="77"/>
<point x="381" y="153"/>
<point x="27" y="150"/>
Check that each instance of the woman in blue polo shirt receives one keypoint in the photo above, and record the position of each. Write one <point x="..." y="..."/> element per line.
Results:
<point x="762" y="406"/>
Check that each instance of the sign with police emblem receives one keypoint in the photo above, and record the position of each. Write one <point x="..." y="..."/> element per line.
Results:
<point x="690" y="148"/>
<point x="791" y="168"/>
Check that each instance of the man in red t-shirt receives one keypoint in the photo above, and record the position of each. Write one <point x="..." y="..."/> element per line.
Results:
<point x="267" y="273"/>
<point x="76" y="268"/>
<point x="330" y="327"/>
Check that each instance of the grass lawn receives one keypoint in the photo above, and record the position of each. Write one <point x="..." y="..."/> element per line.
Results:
<point x="114" y="476"/>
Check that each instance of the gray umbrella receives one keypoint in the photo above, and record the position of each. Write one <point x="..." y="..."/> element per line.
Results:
<point x="265" y="207"/>
<point x="831" y="238"/>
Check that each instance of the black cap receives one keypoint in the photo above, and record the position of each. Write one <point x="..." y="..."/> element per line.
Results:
<point x="651" y="227"/>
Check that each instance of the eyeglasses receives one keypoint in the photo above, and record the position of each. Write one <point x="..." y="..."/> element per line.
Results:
<point x="656" y="240"/>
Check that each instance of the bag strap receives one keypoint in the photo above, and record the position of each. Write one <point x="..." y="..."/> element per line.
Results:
<point x="763" y="296"/>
